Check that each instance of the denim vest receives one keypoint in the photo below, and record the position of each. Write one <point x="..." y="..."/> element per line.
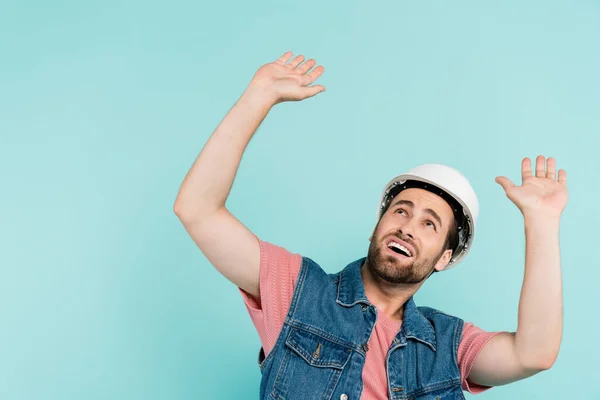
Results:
<point x="321" y="349"/>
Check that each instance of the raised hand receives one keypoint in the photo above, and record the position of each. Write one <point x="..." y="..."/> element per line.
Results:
<point x="541" y="194"/>
<point x="284" y="81"/>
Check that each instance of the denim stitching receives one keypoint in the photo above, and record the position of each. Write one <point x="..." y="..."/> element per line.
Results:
<point x="430" y="388"/>
<point x="311" y="329"/>
<point x="294" y="345"/>
<point x="297" y="289"/>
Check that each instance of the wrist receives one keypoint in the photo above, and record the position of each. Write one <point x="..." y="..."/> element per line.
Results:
<point x="259" y="96"/>
<point x="538" y="219"/>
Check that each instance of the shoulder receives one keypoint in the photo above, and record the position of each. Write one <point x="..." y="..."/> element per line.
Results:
<point x="430" y="312"/>
<point x="278" y="258"/>
<point x="314" y="270"/>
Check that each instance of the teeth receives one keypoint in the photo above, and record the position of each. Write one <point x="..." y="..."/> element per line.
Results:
<point x="399" y="246"/>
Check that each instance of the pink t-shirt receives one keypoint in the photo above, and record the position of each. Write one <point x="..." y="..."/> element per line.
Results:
<point x="279" y="270"/>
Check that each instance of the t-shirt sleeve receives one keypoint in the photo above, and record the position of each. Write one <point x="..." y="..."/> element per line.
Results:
<point x="279" y="271"/>
<point x="472" y="342"/>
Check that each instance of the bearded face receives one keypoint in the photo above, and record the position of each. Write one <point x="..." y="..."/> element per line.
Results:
<point x="408" y="241"/>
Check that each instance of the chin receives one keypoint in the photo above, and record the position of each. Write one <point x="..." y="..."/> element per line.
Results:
<point x="393" y="270"/>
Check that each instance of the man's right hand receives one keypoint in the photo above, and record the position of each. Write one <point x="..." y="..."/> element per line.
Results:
<point x="281" y="81"/>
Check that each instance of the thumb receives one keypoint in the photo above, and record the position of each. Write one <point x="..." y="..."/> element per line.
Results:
<point x="311" y="91"/>
<point x="504" y="182"/>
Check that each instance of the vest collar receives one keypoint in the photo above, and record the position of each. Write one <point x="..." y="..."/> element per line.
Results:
<point x="351" y="291"/>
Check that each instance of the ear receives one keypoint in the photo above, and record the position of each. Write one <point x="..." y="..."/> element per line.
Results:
<point x="373" y="233"/>
<point x="444" y="260"/>
<point x="375" y="228"/>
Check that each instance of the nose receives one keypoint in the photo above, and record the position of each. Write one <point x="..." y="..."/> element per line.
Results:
<point x="407" y="229"/>
<point x="404" y="232"/>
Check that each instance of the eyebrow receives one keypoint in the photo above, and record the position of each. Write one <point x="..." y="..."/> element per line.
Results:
<point x="427" y="210"/>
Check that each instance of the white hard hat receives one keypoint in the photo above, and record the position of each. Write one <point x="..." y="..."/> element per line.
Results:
<point x="450" y="185"/>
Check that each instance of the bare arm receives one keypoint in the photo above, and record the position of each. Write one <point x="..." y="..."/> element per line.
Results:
<point x="200" y="205"/>
<point x="509" y="357"/>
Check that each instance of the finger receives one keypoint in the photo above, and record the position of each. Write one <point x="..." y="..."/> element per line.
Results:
<point x="306" y="66"/>
<point x="311" y="91"/>
<point x="525" y="168"/>
<point x="540" y="167"/>
<point x="505" y="182"/>
<point x="296" y="61"/>
<point x="312" y="75"/>
<point x="284" y="58"/>
<point x="562" y="176"/>
<point x="551" y="168"/>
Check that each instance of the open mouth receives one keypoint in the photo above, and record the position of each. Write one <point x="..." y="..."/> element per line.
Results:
<point x="399" y="249"/>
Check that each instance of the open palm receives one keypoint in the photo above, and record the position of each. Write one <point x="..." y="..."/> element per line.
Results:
<point x="541" y="193"/>
<point x="289" y="81"/>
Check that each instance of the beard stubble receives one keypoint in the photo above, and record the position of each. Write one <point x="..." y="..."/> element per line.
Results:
<point x="393" y="270"/>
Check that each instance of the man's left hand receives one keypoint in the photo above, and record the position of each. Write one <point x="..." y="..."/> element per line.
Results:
<point x="541" y="194"/>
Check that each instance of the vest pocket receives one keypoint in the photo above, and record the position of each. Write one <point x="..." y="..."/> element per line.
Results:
<point x="316" y="350"/>
<point x="310" y="367"/>
<point x="449" y="392"/>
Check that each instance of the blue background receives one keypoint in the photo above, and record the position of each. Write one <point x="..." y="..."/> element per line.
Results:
<point x="104" y="106"/>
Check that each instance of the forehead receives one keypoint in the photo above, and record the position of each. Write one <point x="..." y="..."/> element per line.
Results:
<point x="423" y="199"/>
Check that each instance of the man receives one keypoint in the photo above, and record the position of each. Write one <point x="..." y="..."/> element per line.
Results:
<point x="358" y="333"/>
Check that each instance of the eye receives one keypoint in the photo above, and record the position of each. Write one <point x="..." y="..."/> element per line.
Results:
<point x="431" y="224"/>
<point x="400" y="209"/>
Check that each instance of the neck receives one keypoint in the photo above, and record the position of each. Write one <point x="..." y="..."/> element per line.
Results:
<point x="388" y="297"/>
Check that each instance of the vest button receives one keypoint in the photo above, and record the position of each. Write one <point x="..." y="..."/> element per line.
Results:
<point x="365" y="347"/>
<point x="344" y="396"/>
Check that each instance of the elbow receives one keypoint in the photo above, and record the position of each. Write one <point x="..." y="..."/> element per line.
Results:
<point x="185" y="213"/>
<point x="183" y="208"/>
<point x="177" y="209"/>
<point x="547" y="363"/>
<point x="541" y="363"/>
<point x="537" y="356"/>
